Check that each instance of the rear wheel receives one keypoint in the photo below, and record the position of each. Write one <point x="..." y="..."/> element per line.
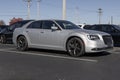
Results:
<point x="22" y="44"/>
<point x="2" y="39"/>
<point x="75" y="47"/>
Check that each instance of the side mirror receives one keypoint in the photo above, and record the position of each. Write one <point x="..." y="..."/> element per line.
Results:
<point x="54" y="28"/>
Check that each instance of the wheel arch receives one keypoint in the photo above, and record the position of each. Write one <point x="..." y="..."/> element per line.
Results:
<point x="24" y="46"/>
<point x="19" y="36"/>
<point x="74" y="37"/>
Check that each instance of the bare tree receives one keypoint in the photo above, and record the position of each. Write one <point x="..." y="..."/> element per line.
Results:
<point x="2" y="22"/>
<point x="13" y="20"/>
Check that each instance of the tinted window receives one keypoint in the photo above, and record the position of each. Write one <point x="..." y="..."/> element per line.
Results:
<point x="98" y="28"/>
<point x="87" y="27"/>
<point x="67" y="25"/>
<point x="23" y="22"/>
<point x="12" y="27"/>
<point x="47" y="24"/>
<point x="35" y="25"/>
<point x="3" y="26"/>
<point x="107" y="28"/>
<point x="117" y="27"/>
<point x="18" y="24"/>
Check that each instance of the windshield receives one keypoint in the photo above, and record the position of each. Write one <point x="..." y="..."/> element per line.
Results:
<point x="117" y="27"/>
<point x="67" y="25"/>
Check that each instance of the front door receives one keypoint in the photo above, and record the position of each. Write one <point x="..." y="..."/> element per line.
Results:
<point x="50" y="38"/>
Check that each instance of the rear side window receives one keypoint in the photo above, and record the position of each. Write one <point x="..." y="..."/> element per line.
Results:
<point x="18" y="24"/>
<point x="87" y="27"/>
<point x="12" y="27"/>
<point x="94" y="27"/>
<point x="35" y="25"/>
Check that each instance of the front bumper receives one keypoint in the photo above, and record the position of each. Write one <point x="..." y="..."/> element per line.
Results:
<point x="104" y="44"/>
<point x="101" y="49"/>
<point x="90" y="49"/>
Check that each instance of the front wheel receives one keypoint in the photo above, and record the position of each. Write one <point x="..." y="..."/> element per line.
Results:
<point x="75" y="47"/>
<point x="22" y="44"/>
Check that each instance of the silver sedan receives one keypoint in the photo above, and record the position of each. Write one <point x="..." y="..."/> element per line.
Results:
<point x="61" y="35"/>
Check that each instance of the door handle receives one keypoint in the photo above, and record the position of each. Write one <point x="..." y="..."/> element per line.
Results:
<point x="41" y="32"/>
<point x="27" y="31"/>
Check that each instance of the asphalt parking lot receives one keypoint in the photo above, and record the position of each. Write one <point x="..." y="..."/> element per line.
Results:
<point x="37" y="64"/>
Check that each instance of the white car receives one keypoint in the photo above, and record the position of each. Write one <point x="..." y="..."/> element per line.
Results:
<point x="61" y="35"/>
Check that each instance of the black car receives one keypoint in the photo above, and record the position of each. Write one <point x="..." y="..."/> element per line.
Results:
<point x="7" y="33"/>
<point x="114" y="30"/>
<point x="3" y="27"/>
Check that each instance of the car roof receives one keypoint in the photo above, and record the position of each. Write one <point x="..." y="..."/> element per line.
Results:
<point x="51" y="20"/>
<point x="105" y="24"/>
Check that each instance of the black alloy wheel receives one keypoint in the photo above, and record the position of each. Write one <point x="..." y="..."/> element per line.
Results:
<point x="75" y="47"/>
<point x="22" y="44"/>
<point x="2" y="39"/>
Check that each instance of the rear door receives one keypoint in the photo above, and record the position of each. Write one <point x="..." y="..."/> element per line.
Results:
<point x="33" y="32"/>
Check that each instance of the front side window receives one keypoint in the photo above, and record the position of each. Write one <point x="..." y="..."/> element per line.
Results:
<point x="117" y="27"/>
<point x="107" y="28"/>
<point x="67" y="25"/>
<point x="48" y="24"/>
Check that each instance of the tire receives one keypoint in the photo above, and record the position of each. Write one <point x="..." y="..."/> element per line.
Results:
<point x="75" y="47"/>
<point x="2" y="39"/>
<point x="22" y="43"/>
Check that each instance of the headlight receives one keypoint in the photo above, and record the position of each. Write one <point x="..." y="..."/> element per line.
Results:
<point x="93" y="37"/>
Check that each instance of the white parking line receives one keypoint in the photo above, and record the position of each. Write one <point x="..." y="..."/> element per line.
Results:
<point x="46" y="55"/>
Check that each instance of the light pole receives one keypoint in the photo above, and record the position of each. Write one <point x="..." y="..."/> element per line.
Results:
<point x="111" y="19"/>
<point x="100" y="14"/>
<point x="38" y="8"/>
<point x="64" y="10"/>
<point x="28" y="6"/>
<point x="77" y="15"/>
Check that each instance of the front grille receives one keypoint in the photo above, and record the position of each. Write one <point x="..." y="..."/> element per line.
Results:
<point x="107" y="40"/>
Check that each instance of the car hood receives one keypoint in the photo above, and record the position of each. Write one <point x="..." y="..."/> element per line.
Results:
<point x="92" y="32"/>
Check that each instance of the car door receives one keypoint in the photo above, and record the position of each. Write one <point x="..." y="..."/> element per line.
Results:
<point x="48" y="37"/>
<point x="33" y="33"/>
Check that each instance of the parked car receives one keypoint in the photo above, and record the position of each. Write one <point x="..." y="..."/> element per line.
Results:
<point x="61" y="35"/>
<point x="3" y="27"/>
<point x="114" y="30"/>
<point x="83" y="26"/>
<point x="7" y="33"/>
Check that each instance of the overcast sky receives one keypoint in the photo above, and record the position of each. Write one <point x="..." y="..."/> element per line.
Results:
<point x="78" y="11"/>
